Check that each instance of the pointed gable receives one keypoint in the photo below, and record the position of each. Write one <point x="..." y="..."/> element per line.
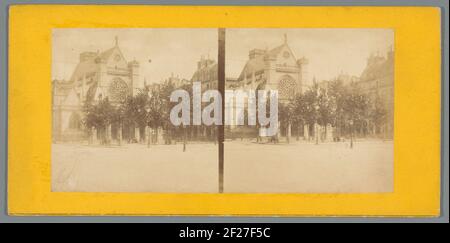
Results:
<point x="90" y="62"/>
<point x="113" y="57"/>
<point x="283" y="55"/>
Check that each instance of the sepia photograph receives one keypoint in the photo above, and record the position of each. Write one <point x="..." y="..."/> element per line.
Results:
<point x="235" y="113"/>
<point x="295" y="110"/>
<point x="111" y="108"/>
<point x="335" y="110"/>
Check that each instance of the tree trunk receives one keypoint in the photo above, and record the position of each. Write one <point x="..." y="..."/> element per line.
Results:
<point x="215" y="135"/>
<point x="149" y="136"/>
<point x="120" y="134"/>
<point x="137" y="133"/>
<point x="351" y="136"/>
<point x="91" y="135"/>
<point x="316" y="133"/>
<point x="184" y="139"/>
<point x="130" y="133"/>
<point x="168" y="136"/>
<point x="306" y="132"/>
<point x="288" y="132"/>
<point x="108" y="133"/>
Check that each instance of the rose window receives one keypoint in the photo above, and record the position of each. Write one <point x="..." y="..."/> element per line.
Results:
<point x="286" y="88"/>
<point x="118" y="90"/>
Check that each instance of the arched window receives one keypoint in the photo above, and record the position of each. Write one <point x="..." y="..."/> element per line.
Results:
<point x="286" y="87"/>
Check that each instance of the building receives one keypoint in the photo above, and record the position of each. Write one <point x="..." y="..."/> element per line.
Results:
<point x="206" y="74"/>
<point x="276" y="69"/>
<point x="269" y="69"/>
<point x="66" y="112"/>
<point x="98" y="75"/>
<point x="377" y="81"/>
<point x="176" y="81"/>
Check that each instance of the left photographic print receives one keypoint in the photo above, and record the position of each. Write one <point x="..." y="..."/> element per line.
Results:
<point x="111" y="105"/>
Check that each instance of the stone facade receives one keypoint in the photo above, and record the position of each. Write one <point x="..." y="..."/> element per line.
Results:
<point x="97" y="75"/>
<point x="377" y="81"/>
<point x="271" y="69"/>
<point x="276" y="69"/>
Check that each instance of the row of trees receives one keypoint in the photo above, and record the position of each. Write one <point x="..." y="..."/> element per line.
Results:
<point x="344" y="107"/>
<point x="149" y="108"/>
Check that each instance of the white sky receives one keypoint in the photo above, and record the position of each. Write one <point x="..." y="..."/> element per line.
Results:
<point x="330" y="51"/>
<point x="170" y="50"/>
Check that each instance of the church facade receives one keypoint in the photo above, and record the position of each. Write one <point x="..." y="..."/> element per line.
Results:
<point x="276" y="69"/>
<point x="271" y="69"/>
<point x="98" y="75"/>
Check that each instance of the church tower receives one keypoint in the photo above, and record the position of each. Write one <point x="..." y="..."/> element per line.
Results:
<point x="305" y="82"/>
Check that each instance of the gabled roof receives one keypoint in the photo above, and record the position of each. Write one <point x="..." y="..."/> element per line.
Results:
<point x="253" y="65"/>
<point x="257" y="63"/>
<point x="275" y="51"/>
<point x="82" y="68"/>
<point x="205" y="74"/>
<point x="106" y="55"/>
<point x="92" y="64"/>
<point x="378" y="69"/>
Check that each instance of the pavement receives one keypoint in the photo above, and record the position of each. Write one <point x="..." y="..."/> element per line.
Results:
<point x="298" y="167"/>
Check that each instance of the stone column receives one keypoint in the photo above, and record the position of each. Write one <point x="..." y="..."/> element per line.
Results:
<point x="306" y="132"/>
<point x="329" y="133"/>
<point x="108" y="133"/>
<point x="148" y="134"/>
<point x="288" y="132"/>
<point x="278" y="134"/>
<point x="316" y="132"/>
<point x="119" y="138"/>
<point x="160" y="135"/>
<point x="137" y="134"/>
<point x="93" y="135"/>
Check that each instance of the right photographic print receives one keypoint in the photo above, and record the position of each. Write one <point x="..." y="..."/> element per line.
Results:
<point x="309" y="110"/>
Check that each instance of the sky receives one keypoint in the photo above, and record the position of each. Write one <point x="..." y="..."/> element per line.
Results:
<point x="163" y="51"/>
<point x="329" y="51"/>
<point x="170" y="50"/>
